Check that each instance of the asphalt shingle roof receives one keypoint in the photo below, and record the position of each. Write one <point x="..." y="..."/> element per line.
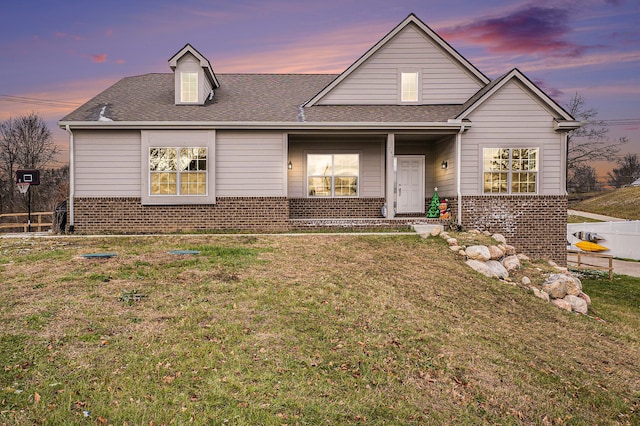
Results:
<point x="244" y="98"/>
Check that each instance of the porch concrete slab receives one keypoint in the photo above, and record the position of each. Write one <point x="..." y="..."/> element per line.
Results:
<point x="426" y="229"/>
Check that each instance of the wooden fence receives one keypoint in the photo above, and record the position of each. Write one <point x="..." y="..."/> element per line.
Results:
<point x="581" y="256"/>
<point x="13" y="221"/>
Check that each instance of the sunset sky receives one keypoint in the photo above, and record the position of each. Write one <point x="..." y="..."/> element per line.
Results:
<point x="58" y="54"/>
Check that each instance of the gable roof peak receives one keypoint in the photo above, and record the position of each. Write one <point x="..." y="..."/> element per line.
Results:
<point x="421" y="26"/>
<point x="487" y="91"/>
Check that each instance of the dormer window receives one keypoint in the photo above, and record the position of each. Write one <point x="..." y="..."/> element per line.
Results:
<point x="409" y="86"/>
<point x="194" y="80"/>
<point x="189" y="87"/>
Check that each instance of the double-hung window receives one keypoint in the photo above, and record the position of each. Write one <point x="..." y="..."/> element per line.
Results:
<point x="333" y="175"/>
<point x="189" y="87"/>
<point x="177" y="171"/>
<point x="510" y="170"/>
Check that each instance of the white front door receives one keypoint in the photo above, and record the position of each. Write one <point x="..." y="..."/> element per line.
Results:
<point x="410" y="183"/>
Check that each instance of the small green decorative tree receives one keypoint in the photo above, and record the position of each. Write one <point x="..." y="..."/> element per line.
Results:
<point x="434" y="208"/>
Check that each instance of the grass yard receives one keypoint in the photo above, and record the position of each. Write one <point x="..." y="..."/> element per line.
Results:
<point x="623" y="203"/>
<point x="309" y="329"/>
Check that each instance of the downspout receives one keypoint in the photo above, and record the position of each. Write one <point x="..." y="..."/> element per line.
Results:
<point x="72" y="180"/>
<point x="458" y="172"/>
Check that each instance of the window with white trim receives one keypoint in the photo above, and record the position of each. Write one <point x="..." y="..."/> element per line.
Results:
<point x="189" y="87"/>
<point x="333" y="175"/>
<point x="177" y="171"/>
<point x="510" y="170"/>
<point x="409" y="86"/>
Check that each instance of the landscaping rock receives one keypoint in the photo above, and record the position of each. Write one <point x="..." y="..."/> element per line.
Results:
<point x="499" y="238"/>
<point x="523" y="257"/>
<point x="480" y="267"/>
<point x="462" y="253"/>
<point x="474" y="231"/>
<point x="486" y="233"/>
<point x="454" y="248"/>
<point x="562" y="304"/>
<point x="478" y="253"/>
<point x="435" y="232"/>
<point x="585" y="297"/>
<point x="497" y="269"/>
<point x="495" y="252"/>
<point x="540" y="294"/>
<point x="555" y="289"/>
<point x="578" y="304"/>
<point x="573" y="284"/>
<point x="452" y="241"/>
<point x="511" y="263"/>
<point x="509" y="250"/>
<point x="491" y="269"/>
<point x="526" y="281"/>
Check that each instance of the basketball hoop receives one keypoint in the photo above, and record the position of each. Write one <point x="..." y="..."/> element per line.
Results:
<point x="23" y="187"/>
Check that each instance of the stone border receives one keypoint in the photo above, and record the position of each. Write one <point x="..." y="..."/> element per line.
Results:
<point x="562" y="289"/>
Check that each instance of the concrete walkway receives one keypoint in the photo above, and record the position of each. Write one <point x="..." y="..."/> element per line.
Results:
<point x="595" y="216"/>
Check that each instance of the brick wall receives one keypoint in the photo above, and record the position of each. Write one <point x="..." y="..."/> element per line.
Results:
<point x="128" y="215"/>
<point x="310" y="208"/>
<point x="535" y="224"/>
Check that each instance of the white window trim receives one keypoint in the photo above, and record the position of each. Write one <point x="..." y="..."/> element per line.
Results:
<point x="183" y="98"/>
<point x="176" y="139"/>
<point x="510" y="171"/>
<point x="332" y="153"/>
<point x="418" y="74"/>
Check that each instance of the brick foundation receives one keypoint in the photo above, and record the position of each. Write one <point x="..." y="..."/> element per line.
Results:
<point x="536" y="225"/>
<point x="129" y="216"/>
<point x="322" y="208"/>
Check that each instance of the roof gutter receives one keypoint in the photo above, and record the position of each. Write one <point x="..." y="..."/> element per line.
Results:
<point x="260" y="125"/>
<point x="565" y="126"/>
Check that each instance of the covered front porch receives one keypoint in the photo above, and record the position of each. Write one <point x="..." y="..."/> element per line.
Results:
<point x="351" y="178"/>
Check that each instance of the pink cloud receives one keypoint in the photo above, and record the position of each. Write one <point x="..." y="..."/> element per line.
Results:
<point x="65" y="35"/>
<point x="99" y="58"/>
<point x="119" y="61"/>
<point x="528" y="30"/>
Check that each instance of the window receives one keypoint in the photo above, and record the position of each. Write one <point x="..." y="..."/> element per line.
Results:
<point x="332" y="175"/>
<point x="409" y="86"/>
<point x="178" y="171"/>
<point x="189" y="87"/>
<point x="510" y="170"/>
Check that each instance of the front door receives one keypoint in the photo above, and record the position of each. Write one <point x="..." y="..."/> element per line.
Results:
<point x="410" y="183"/>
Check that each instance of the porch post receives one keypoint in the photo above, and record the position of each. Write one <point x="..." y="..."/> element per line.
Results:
<point x="391" y="176"/>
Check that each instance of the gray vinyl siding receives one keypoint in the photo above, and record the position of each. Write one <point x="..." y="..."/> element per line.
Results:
<point x="371" y="164"/>
<point x="250" y="164"/>
<point x="107" y="163"/>
<point x="445" y="180"/>
<point x="512" y="118"/>
<point x="376" y="81"/>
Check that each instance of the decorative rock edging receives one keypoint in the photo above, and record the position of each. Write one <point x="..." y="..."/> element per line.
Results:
<point x="498" y="261"/>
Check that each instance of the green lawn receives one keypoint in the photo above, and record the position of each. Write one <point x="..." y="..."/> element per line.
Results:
<point x="308" y="329"/>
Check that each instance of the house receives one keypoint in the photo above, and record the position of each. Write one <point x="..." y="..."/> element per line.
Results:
<point x="191" y="149"/>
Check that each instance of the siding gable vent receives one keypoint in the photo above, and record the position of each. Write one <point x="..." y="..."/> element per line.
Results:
<point x="195" y="81"/>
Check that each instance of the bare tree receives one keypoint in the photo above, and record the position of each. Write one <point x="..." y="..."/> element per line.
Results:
<point x="589" y="142"/>
<point x="628" y="171"/>
<point x="582" y="178"/>
<point x="25" y="142"/>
